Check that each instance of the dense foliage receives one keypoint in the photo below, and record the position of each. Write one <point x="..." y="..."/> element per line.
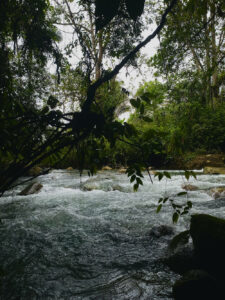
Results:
<point x="71" y="117"/>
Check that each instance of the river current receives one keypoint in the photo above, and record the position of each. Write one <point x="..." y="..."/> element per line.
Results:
<point x="91" y="240"/>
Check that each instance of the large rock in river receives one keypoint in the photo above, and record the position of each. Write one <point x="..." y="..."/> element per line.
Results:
<point x="32" y="188"/>
<point x="218" y="192"/>
<point x="196" y="285"/>
<point x="189" y="187"/>
<point x="161" y="230"/>
<point x="208" y="235"/>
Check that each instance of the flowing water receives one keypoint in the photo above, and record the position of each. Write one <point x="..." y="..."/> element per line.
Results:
<point x="91" y="240"/>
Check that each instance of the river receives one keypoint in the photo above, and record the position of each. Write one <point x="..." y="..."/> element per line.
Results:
<point x="70" y="243"/>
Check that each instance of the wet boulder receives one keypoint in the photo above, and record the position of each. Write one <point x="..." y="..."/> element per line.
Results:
<point x="161" y="230"/>
<point x="196" y="285"/>
<point x="189" y="187"/>
<point x="122" y="170"/>
<point x="106" y="168"/>
<point x="69" y="169"/>
<point x="117" y="187"/>
<point x="32" y="188"/>
<point x="208" y="235"/>
<point x="217" y="193"/>
<point x="89" y="187"/>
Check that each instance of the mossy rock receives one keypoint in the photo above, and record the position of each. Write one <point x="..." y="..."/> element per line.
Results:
<point x="208" y="235"/>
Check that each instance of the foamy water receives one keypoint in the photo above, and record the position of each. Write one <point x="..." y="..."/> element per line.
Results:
<point x="70" y="243"/>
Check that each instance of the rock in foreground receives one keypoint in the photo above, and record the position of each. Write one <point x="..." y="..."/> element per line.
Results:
<point x="196" y="285"/>
<point x="208" y="235"/>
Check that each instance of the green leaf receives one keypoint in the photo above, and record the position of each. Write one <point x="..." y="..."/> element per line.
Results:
<point x="134" y="103"/>
<point x="139" y="181"/>
<point x="159" y="175"/>
<point x="184" y="212"/>
<point x="181" y="194"/>
<point x="167" y="174"/>
<point x="193" y="174"/>
<point x="175" y="217"/>
<point x="146" y="97"/>
<point x="52" y="101"/>
<point x="136" y="185"/>
<point x="160" y="200"/>
<point x="187" y="175"/>
<point x="147" y="119"/>
<point x="165" y="199"/>
<point x="142" y="109"/>
<point x="133" y="177"/>
<point x="138" y="101"/>
<point x="189" y="204"/>
<point x="178" y="206"/>
<point x="159" y="208"/>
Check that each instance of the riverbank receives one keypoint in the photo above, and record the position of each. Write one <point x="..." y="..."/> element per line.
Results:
<point x="193" y="161"/>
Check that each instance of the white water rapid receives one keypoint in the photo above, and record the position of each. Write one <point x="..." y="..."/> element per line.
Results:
<point x="91" y="241"/>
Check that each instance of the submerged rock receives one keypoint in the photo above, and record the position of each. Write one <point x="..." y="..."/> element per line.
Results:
<point x="196" y="285"/>
<point x="189" y="187"/>
<point x="161" y="230"/>
<point x="32" y="188"/>
<point x="89" y="187"/>
<point x="217" y="193"/>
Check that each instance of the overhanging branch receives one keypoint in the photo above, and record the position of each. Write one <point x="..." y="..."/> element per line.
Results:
<point x="92" y="89"/>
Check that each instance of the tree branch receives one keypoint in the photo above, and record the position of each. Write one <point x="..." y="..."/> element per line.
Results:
<point x="92" y="89"/>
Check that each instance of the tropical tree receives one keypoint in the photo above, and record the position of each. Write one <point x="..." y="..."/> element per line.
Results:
<point x="46" y="131"/>
<point x="192" y="50"/>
